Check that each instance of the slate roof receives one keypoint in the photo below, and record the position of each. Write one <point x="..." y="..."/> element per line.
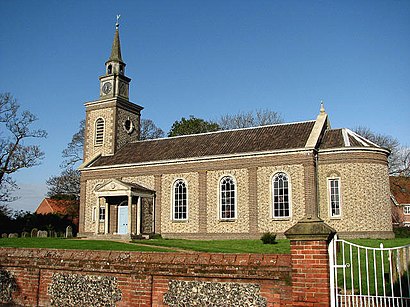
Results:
<point x="338" y="138"/>
<point x="400" y="189"/>
<point x="240" y="141"/>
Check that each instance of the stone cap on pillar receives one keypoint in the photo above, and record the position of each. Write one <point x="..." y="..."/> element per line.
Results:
<point x="310" y="229"/>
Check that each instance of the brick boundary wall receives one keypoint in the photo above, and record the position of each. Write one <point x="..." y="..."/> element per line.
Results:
<point x="144" y="279"/>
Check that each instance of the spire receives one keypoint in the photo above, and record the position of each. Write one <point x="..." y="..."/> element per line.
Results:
<point x="116" y="47"/>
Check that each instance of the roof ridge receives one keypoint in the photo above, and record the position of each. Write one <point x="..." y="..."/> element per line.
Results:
<point x="223" y="131"/>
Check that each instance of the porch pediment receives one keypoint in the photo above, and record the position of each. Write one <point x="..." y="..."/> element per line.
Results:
<point x="116" y="187"/>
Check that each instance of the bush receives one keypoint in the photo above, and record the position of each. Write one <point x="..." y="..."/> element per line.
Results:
<point x="402" y="232"/>
<point x="269" y="238"/>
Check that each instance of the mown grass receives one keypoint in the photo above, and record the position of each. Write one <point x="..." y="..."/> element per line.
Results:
<point x="212" y="246"/>
<point x="224" y="246"/>
<point x="61" y="243"/>
<point x="156" y="245"/>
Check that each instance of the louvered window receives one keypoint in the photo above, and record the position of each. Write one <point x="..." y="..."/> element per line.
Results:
<point x="99" y="131"/>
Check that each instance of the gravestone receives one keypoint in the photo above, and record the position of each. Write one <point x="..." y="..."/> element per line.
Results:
<point x="25" y="234"/>
<point x="13" y="235"/>
<point x="69" y="232"/>
<point x="34" y="233"/>
<point x="52" y="234"/>
<point x="42" y="234"/>
<point x="4" y="235"/>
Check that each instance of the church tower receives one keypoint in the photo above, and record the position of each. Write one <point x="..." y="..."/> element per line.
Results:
<point x="112" y="120"/>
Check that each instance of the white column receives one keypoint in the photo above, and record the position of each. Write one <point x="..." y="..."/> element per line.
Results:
<point x="129" y="213"/>
<point x="138" y="232"/>
<point x="107" y="216"/>
<point x="153" y="214"/>
<point x="97" y="217"/>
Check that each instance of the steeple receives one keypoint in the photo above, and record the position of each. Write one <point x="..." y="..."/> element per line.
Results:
<point x="116" y="46"/>
<point x="112" y="120"/>
<point x="115" y="64"/>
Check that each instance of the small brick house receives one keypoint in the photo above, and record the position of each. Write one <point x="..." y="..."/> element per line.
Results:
<point x="226" y="184"/>
<point x="400" y="199"/>
<point x="59" y="206"/>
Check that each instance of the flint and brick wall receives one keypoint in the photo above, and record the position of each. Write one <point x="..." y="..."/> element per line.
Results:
<point x="94" y="278"/>
<point x="365" y="195"/>
<point x="108" y="147"/>
<point x="253" y="179"/>
<point x="47" y="277"/>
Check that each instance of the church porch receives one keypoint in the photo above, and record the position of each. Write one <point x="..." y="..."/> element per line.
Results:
<point x="123" y="211"/>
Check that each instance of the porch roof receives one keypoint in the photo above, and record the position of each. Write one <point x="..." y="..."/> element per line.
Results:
<point x="117" y="187"/>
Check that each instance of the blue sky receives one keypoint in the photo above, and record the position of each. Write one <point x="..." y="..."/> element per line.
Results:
<point x="207" y="58"/>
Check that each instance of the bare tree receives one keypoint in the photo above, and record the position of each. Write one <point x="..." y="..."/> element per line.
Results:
<point x="14" y="154"/>
<point x="399" y="159"/>
<point x="67" y="183"/>
<point x="74" y="151"/>
<point x="261" y="117"/>
<point x="149" y="130"/>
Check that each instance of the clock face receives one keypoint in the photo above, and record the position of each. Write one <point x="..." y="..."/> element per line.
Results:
<point x="106" y="87"/>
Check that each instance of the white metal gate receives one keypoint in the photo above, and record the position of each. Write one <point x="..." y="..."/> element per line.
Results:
<point x="366" y="276"/>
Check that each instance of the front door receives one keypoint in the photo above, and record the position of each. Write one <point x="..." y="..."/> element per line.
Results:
<point x="122" y="220"/>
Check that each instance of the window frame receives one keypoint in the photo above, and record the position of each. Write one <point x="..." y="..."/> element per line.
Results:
<point x="101" y="214"/>
<point x="221" y="197"/>
<point x="289" y="195"/>
<point x="99" y="133"/>
<point x="173" y="211"/>
<point x="406" y="208"/>
<point x="339" y="196"/>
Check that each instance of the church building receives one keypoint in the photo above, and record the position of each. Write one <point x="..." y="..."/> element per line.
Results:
<point x="233" y="184"/>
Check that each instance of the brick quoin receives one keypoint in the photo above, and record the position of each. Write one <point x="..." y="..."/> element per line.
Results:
<point x="310" y="262"/>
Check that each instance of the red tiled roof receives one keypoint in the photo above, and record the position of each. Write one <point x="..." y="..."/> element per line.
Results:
<point x="240" y="141"/>
<point x="400" y="188"/>
<point x="49" y="205"/>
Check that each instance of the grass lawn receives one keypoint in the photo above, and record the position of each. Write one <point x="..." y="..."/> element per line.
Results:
<point x="386" y="242"/>
<point x="224" y="246"/>
<point x="170" y="245"/>
<point x="157" y="245"/>
<point x="61" y="243"/>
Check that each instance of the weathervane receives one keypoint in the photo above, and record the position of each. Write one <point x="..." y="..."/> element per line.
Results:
<point x="117" y="24"/>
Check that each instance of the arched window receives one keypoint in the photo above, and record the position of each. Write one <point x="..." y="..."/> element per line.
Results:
<point x="99" y="131"/>
<point x="180" y="204"/>
<point x="281" y="196"/>
<point x="109" y="69"/>
<point x="227" y="198"/>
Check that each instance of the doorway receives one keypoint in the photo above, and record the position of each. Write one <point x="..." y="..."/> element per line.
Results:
<point x="123" y="218"/>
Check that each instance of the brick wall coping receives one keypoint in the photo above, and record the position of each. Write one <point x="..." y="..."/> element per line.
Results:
<point x="256" y="266"/>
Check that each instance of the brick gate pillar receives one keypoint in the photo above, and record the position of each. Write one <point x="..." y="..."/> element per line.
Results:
<point x="309" y="240"/>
